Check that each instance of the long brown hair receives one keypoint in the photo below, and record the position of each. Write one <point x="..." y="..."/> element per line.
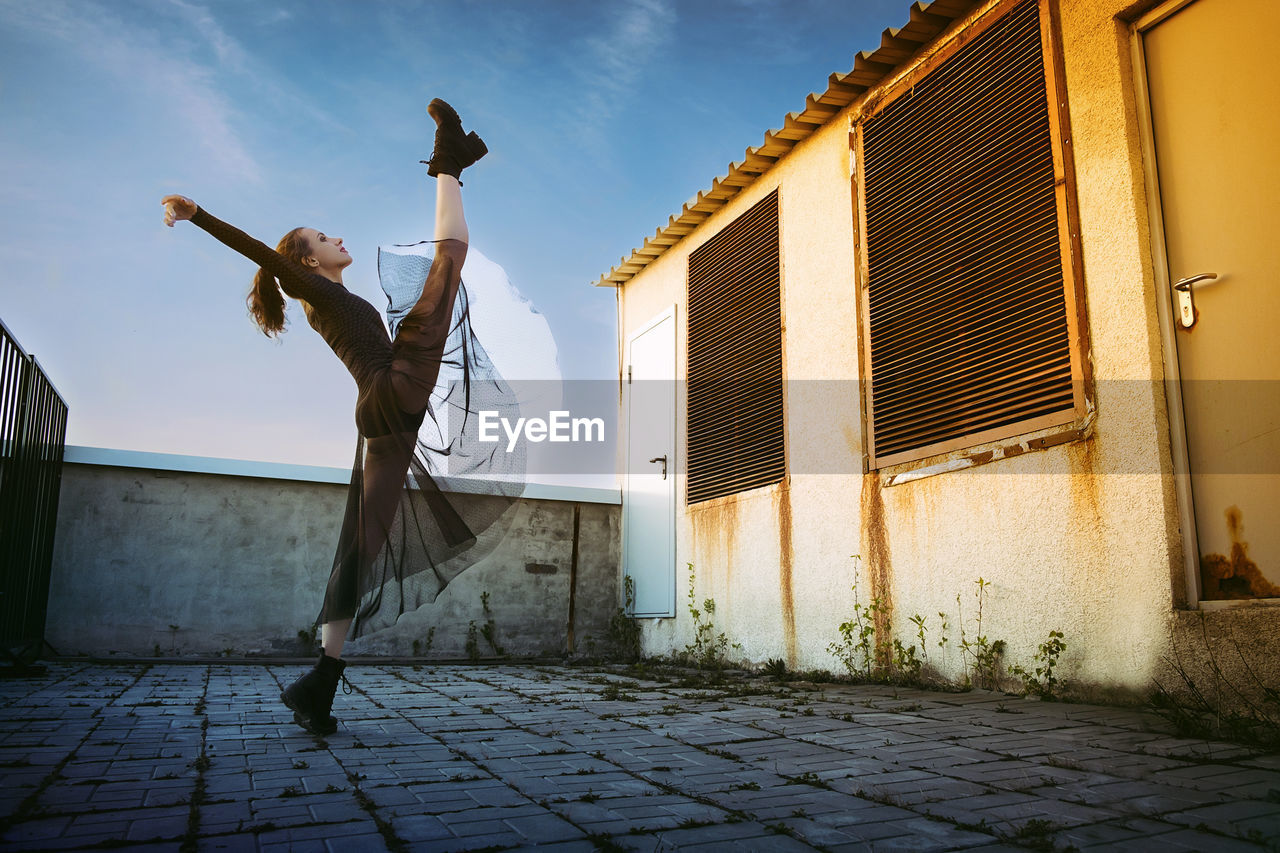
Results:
<point x="266" y="302"/>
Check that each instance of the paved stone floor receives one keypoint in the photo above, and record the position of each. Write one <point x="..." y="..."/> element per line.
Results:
<point x="203" y="757"/>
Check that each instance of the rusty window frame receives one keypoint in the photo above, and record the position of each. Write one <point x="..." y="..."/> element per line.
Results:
<point x="1075" y="394"/>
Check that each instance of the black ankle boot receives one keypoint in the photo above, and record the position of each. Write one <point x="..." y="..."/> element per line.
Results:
<point x="455" y="149"/>
<point x="311" y="696"/>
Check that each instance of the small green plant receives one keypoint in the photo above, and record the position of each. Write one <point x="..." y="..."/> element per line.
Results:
<point x="1041" y="680"/>
<point x="906" y="663"/>
<point x="809" y="778"/>
<point x="473" y="642"/>
<point x="489" y="630"/>
<point x="708" y="649"/>
<point x="982" y="656"/>
<point x="615" y="693"/>
<point x="776" y="668"/>
<point x="1035" y="834"/>
<point x="624" y="628"/>
<point x="602" y="842"/>
<point x="921" y="631"/>
<point x="856" y="649"/>
<point x="423" y="647"/>
<point x="307" y="640"/>
<point x="866" y="655"/>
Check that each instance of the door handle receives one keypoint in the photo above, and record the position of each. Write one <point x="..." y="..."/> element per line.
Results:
<point x="663" y="460"/>
<point x="1186" y="299"/>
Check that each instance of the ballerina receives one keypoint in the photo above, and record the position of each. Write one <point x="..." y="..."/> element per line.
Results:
<point x="395" y="380"/>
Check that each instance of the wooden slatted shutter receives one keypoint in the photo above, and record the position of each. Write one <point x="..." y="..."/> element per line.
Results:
<point x="969" y="299"/>
<point x="735" y="439"/>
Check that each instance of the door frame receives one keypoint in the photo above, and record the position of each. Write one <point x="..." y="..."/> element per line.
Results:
<point x="1165" y="308"/>
<point x="669" y="313"/>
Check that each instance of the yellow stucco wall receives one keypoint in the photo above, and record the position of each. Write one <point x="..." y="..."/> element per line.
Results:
<point x="1082" y="537"/>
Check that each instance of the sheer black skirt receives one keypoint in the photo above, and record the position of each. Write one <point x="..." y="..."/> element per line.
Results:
<point x="427" y="499"/>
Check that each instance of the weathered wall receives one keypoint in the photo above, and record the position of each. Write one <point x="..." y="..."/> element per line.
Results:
<point x="239" y="564"/>
<point x="1081" y="537"/>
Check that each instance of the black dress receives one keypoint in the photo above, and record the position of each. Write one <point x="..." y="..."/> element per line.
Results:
<point x="403" y="538"/>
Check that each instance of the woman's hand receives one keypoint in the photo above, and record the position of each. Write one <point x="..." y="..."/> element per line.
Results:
<point x="177" y="207"/>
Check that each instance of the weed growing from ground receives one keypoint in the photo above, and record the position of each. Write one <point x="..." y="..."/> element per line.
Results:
<point x="489" y="631"/>
<point x="809" y="778"/>
<point x="624" y="628"/>
<point x="1041" y="680"/>
<point x="473" y="642"/>
<point x="906" y="663"/>
<point x="857" y="645"/>
<point x="982" y="656"/>
<point x="307" y="640"/>
<point x="867" y="656"/>
<point x="614" y="693"/>
<point x="1035" y="834"/>
<point x="708" y="649"/>
<point x="1216" y="706"/>
<point x="423" y="647"/>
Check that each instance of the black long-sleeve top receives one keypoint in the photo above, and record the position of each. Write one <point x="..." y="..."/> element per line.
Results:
<point x="351" y="327"/>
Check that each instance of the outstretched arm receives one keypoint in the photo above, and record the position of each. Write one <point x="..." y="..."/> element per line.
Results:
<point x="297" y="281"/>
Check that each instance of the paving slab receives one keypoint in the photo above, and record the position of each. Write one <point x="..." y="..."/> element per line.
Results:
<point x="200" y="756"/>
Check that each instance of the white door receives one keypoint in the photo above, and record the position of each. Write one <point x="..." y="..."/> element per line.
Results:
<point x="649" y="490"/>
<point x="1211" y="70"/>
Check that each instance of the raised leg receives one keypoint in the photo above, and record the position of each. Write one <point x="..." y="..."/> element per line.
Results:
<point x="450" y="222"/>
<point x="420" y="342"/>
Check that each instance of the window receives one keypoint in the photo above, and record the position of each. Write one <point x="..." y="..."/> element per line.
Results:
<point x="972" y="327"/>
<point x="735" y="439"/>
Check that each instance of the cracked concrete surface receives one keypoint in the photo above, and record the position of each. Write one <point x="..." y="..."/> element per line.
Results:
<point x="169" y="756"/>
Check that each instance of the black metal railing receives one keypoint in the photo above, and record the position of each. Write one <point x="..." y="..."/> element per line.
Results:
<point x="33" y="429"/>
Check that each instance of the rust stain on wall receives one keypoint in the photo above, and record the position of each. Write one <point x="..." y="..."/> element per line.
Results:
<point x="1237" y="576"/>
<point x="852" y="441"/>
<point x="715" y="526"/>
<point x="875" y="552"/>
<point x="1086" y="511"/>
<point x="786" y="556"/>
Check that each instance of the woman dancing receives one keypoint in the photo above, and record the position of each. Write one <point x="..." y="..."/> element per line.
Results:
<point x="395" y="379"/>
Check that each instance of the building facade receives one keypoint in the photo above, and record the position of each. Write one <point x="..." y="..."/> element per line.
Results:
<point x="986" y="323"/>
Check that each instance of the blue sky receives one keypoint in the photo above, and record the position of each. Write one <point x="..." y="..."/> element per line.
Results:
<point x="602" y="118"/>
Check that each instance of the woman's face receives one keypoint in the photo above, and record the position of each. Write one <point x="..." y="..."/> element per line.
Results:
<point x="328" y="251"/>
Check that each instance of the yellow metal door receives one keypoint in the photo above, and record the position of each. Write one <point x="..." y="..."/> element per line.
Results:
<point x="1212" y="72"/>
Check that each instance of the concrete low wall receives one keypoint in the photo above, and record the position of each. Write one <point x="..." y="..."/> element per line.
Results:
<point x="168" y="555"/>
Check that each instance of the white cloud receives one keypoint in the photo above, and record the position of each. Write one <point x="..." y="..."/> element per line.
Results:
<point x="616" y="59"/>
<point x="161" y="71"/>
<point x="234" y="58"/>
<point x="226" y="48"/>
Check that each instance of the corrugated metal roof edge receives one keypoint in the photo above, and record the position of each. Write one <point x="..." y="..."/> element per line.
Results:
<point x="897" y="45"/>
